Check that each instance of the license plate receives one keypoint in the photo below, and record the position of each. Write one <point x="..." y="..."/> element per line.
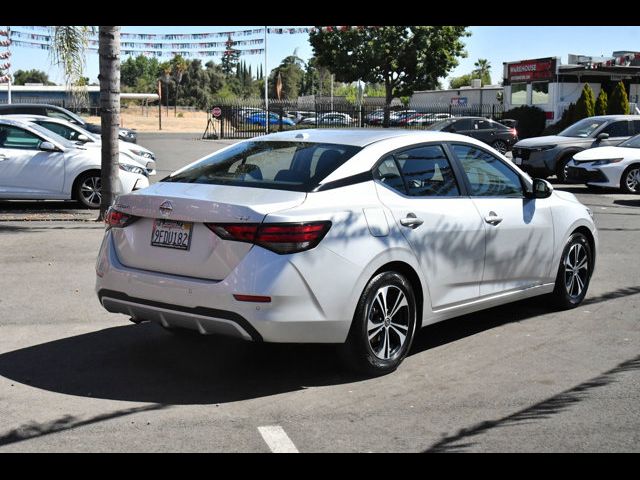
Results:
<point x="517" y="161"/>
<point x="171" y="234"/>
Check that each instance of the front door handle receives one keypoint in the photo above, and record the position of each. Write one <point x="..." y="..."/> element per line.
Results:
<point x="493" y="219"/>
<point x="411" y="221"/>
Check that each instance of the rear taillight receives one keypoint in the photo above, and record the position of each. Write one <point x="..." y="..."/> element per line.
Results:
<point x="116" y="219"/>
<point x="278" y="237"/>
<point x="514" y="132"/>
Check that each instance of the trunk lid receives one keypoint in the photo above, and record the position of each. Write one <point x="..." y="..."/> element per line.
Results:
<point x="208" y="256"/>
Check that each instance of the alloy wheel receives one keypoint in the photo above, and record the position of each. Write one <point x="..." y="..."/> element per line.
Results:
<point x="388" y="322"/>
<point x="632" y="180"/>
<point x="90" y="189"/>
<point x="576" y="270"/>
<point x="500" y="146"/>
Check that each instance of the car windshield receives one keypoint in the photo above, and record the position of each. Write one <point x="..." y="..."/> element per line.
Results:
<point x="633" y="142"/>
<point x="297" y="166"/>
<point x="441" y="124"/>
<point x="584" y="128"/>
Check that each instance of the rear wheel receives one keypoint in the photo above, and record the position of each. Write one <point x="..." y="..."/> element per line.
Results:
<point x="383" y="326"/>
<point x="630" y="180"/>
<point x="88" y="189"/>
<point x="501" y="146"/>
<point x="574" y="272"/>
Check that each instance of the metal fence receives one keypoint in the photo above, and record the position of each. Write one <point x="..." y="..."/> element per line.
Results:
<point x="247" y="118"/>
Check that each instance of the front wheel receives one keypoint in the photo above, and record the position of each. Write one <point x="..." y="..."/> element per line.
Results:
<point x="574" y="272"/>
<point x="383" y="325"/>
<point x="630" y="180"/>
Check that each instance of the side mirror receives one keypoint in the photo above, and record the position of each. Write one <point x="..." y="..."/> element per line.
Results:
<point x="82" y="138"/>
<point x="540" y="189"/>
<point x="48" y="147"/>
<point x="602" y="136"/>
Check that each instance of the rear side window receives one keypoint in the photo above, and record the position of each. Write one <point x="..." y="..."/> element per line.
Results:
<point x="298" y="166"/>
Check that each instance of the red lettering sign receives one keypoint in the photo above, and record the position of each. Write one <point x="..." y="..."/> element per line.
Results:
<point x="540" y="69"/>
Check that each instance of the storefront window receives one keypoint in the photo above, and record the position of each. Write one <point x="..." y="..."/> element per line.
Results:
<point x="518" y="93"/>
<point x="539" y="93"/>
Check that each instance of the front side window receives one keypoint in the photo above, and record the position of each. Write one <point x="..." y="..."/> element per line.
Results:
<point x="539" y="93"/>
<point x="518" y="94"/>
<point x="62" y="130"/>
<point x="297" y="166"/>
<point x="617" y="129"/>
<point x="427" y="172"/>
<point x="488" y="175"/>
<point x="14" y="137"/>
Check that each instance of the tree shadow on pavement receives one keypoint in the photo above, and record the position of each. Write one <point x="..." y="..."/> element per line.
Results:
<point x="459" y="441"/>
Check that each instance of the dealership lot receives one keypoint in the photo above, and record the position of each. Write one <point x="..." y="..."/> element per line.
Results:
<point x="515" y="378"/>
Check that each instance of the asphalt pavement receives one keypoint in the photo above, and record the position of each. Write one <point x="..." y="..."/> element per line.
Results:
<point x="517" y="378"/>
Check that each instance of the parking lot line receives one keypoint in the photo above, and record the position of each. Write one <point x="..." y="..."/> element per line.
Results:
<point x="277" y="439"/>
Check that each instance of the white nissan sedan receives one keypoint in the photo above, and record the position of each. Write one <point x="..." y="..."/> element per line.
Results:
<point x="358" y="237"/>
<point x="38" y="164"/>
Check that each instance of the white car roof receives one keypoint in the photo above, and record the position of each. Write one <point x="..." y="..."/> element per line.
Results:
<point x="361" y="137"/>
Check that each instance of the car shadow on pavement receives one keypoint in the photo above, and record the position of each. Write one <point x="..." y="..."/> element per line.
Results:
<point x="144" y="363"/>
<point x="628" y="203"/>
<point x="40" y="206"/>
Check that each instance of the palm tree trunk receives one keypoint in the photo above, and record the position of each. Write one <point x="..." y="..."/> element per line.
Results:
<point x="109" y="52"/>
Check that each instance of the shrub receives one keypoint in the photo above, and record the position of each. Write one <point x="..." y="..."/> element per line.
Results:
<point x="531" y="120"/>
<point x="601" y="103"/>
<point x="585" y="106"/>
<point x="619" y="103"/>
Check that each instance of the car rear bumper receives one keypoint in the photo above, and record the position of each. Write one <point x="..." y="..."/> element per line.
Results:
<point x="295" y="313"/>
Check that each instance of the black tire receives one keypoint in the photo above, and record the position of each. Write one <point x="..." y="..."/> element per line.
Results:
<point x="561" y="174"/>
<point x="567" y="293"/>
<point x="501" y="146"/>
<point x="630" y="179"/>
<point x="361" y="352"/>
<point x="87" y="190"/>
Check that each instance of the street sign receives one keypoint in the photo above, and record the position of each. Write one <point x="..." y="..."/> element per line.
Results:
<point x="216" y="111"/>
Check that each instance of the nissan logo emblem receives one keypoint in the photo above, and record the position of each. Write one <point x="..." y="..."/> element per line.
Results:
<point x="166" y="208"/>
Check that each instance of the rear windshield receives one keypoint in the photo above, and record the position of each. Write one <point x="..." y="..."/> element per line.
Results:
<point x="297" y="166"/>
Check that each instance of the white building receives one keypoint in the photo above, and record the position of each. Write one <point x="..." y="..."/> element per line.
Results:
<point x="547" y="84"/>
<point x="457" y="97"/>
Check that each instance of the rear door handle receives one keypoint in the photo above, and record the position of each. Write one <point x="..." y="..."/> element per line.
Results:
<point x="411" y="221"/>
<point x="492" y="218"/>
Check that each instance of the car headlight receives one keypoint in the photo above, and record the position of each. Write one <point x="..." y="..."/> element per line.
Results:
<point x="133" y="169"/>
<point x="606" y="161"/>
<point x="544" y="147"/>
<point x="143" y="154"/>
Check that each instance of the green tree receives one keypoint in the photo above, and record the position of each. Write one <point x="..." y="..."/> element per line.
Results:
<point x="20" y="77"/>
<point x="619" y="102"/>
<point x="483" y="70"/>
<point x="230" y="57"/>
<point x="585" y="106"/>
<point x="601" y="103"/>
<point x="403" y="58"/>
<point x="292" y="78"/>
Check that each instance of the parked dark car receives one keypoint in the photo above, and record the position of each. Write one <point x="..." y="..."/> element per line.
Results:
<point x="58" y="112"/>
<point x="548" y="155"/>
<point x="499" y="136"/>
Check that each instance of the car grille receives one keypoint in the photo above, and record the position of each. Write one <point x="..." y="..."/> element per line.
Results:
<point x="583" y="175"/>
<point x="523" y="153"/>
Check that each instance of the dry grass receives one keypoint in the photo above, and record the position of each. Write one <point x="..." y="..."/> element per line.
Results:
<point x="133" y="118"/>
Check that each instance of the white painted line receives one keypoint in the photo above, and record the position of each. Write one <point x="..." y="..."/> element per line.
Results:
<point x="277" y="440"/>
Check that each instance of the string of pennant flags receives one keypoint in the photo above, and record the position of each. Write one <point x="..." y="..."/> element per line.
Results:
<point x="4" y="55"/>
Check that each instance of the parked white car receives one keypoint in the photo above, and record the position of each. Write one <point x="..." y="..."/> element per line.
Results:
<point x="38" y="164"/>
<point x="614" y="167"/>
<point x="352" y="236"/>
<point x="76" y="133"/>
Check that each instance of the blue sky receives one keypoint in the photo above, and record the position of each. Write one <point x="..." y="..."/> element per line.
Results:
<point x="498" y="44"/>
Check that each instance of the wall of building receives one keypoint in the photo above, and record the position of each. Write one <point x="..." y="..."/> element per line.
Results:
<point x="473" y="96"/>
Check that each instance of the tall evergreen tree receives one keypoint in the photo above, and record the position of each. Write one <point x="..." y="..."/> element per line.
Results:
<point x="585" y="106"/>
<point x="619" y="102"/>
<point x="229" y="57"/>
<point x="601" y="103"/>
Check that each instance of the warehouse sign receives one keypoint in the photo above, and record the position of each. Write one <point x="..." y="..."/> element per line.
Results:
<point x="459" y="101"/>
<point x="528" y="70"/>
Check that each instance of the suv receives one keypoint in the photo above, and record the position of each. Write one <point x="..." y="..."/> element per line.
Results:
<point x="549" y="155"/>
<point x="58" y="112"/>
<point x="486" y="130"/>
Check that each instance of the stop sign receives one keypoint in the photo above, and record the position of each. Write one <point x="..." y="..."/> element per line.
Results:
<point x="216" y="111"/>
